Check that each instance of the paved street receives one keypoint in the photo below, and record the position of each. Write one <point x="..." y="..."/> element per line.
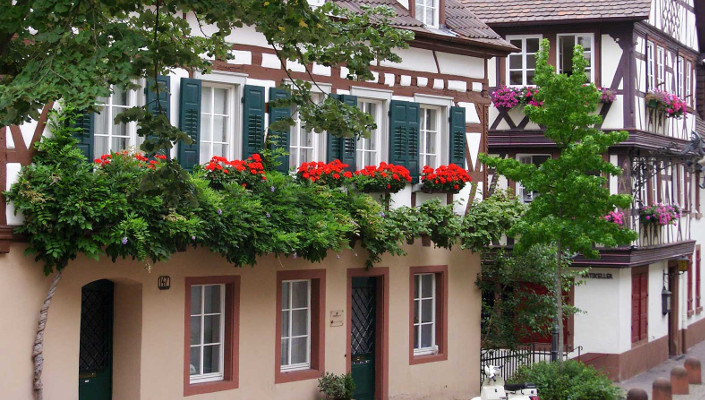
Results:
<point x="644" y="380"/>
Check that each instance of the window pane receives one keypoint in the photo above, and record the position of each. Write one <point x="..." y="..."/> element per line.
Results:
<point x="211" y="329"/>
<point x="219" y="150"/>
<point x="532" y="45"/>
<point x="427" y="285"/>
<point x="206" y="128"/>
<point x="300" y="291"/>
<point x="586" y="42"/>
<point x="119" y="96"/>
<point x="220" y="101"/>
<point x="417" y="278"/>
<point x="102" y="125"/>
<point x="101" y="145"/>
<point x="299" y="324"/>
<point x="515" y="78"/>
<point x="285" y="295"/>
<point x="429" y="17"/>
<point x="212" y="299"/>
<point x="431" y="143"/>
<point x="515" y="61"/>
<point x="426" y="335"/>
<point x="531" y="61"/>
<point x="416" y="337"/>
<point x="195" y="330"/>
<point x="416" y="311"/>
<point x="119" y="143"/>
<point x="299" y="350"/>
<point x="219" y="129"/>
<point x="195" y="364"/>
<point x="211" y="359"/>
<point x="195" y="300"/>
<point x="529" y="77"/>
<point x="431" y="120"/>
<point x="516" y="42"/>
<point x="285" y="352"/>
<point x="285" y="324"/>
<point x="204" y="153"/>
<point x="426" y="310"/>
<point x="206" y="101"/>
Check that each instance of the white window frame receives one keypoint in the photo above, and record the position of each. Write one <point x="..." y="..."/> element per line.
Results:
<point x="231" y="135"/>
<point x="660" y="67"/>
<point x="523" y="53"/>
<point x="650" y="66"/>
<point x="689" y="82"/>
<point x="289" y="337"/>
<point x="214" y="376"/>
<point x="680" y="77"/>
<point x="317" y="142"/>
<point x="134" y="98"/>
<point x="420" y="8"/>
<point x="524" y="197"/>
<point x="591" y="66"/>
<point x="418" y="282"/>
<point x="363" y="143"/>
<point x="423" y="136"/>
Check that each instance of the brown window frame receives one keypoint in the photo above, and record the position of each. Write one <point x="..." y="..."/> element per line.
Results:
<point x="441" y="272"/>
<point x="231" y="340"/>
<point x="318" y="299"/>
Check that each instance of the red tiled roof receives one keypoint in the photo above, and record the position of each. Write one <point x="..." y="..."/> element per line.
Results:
<point x="496" y="12"/>
<point x="461" y="23"/>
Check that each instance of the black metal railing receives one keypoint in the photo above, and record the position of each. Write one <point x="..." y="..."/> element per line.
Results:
<point x="511" y="359"/>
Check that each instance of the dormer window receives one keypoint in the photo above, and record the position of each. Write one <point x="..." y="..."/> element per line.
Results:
<point x="427" y="12"/>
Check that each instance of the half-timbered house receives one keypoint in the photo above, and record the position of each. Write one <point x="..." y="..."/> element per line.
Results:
<point x="636" y="50"/>
<point x="113" y="334"/>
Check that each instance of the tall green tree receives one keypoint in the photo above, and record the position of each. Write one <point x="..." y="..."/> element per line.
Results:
<point x="573" y="192"/>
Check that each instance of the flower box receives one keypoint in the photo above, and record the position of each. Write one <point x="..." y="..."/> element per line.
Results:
<point x="332" y="174"/>
<point x="658" y="214"/>
<point x="666" y="102"/>
<point x="506" y="97"/>
<point x="385" y="178"/>
<point x="444" y="179"/>
<point x="607" y="95"/>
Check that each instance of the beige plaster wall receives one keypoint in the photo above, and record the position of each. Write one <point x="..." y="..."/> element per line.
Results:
<point x="153" y="365"/>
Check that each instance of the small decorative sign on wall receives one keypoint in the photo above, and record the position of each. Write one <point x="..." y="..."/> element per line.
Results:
<point x="599" y="275"/>
<point x="336" y="318"/>
<point x="164" y="282"/>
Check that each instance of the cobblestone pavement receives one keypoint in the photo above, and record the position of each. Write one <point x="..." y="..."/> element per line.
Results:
<point x="645" y="379"/>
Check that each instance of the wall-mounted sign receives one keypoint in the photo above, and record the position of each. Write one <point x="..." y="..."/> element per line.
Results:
<point x="599" y="275"/>
<point x="336" y="318"/>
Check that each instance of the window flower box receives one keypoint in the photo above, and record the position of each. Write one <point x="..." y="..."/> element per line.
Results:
<point x="666" y="102"/>
<point x="507" y="98"/>
<point x="444" y="179"/>
<point x="658" y="214"/>
<point x="607" y="95"/>
<point x="247" y="173"/>
<point x="332" y="174"/>
<point x="385" y="178"/>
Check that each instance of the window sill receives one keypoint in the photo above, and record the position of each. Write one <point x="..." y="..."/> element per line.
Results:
<point x="698" y="310"/>
<point x="691" y="313"/>
<point x="297" y="375"/>
<point x="428" y="358"/>
<point x="209" y="387"/>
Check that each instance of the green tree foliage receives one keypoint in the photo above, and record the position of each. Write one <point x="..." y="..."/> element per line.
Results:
<point x="573" y="193"/>
<point x="571" y="380"/>
<point x="74" y="50"/>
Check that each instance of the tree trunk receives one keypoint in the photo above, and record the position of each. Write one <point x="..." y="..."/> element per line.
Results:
<point x="559" y="302"/>
<point x="38" y="350"/>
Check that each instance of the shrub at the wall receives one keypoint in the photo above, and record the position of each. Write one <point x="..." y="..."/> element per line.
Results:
<point x="570" y="380"/>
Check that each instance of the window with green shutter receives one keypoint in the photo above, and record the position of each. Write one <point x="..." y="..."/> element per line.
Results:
<point x="253" y="120"/>
<point x="85" y="135"/>
<point x="279" y="139"/>
<point x="404" y="136"/>
<point x="157" y="96"/>
<point x="457" y="136"/>
<point x="343" y="149"/>
<point x="190" y="121"/>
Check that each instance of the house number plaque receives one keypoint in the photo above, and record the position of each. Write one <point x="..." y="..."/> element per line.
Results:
<point x="336" y="318"/>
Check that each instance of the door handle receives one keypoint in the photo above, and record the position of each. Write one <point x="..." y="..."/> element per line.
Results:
<point x="85" y="375"/>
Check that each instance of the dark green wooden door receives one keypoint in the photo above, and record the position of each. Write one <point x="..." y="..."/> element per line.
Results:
<point x="363" y="334"/>
<point x="95" y="366"/>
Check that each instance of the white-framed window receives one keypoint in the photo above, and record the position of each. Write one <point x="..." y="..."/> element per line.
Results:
<point x="296" y="325"/>
<point x="430" y="137"/>
<point x="369" y="149"/>
<point x="689" y="82"/>
<point x="566" y="43"/>
<point x="108" y="135"/>
<point x="207" y="326"/>
<point x="527" y="196"/>
<point x="425" y="314"/>
<point x="650" y="76"/>
<point x="660" y="67"/>
<point x="427" y="12"/>
<point x="216" y="122"/>
<point x="303" y="144"/>
<point x="522" y="65"/>
<point x="680" y="78"/>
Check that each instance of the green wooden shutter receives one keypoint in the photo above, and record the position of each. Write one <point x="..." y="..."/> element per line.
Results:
<point x="457" y="136"/>
<point x="413" y="113"/>
<point x="151" y="95"/>
<point x="86" y="123"/>
<point x="343" y="149"/>
<point x="190" y="122"/>
<point x="279" y="138"/>
<point x="253" y="121"/>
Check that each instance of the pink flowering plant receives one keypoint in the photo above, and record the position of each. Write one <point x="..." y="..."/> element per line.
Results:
<point x="669" y="103"/>
<point x="616" y="217"/>
<point x="660" y="214"/>
<point x="607" y="95"/>
<point x="506" y="97"/>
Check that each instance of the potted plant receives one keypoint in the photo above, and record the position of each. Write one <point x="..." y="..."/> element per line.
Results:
<point x="336" y="387"/>
<point x="669" y="103"/>
<point x="607" y="95"/>
<point x="247" y="172"/>
<point x="659" y="214"/>
<point x="507" y="98"/>
<point x="444" y="179"/>
<point x="332" y="174"/>
<point x="385" y="179"/>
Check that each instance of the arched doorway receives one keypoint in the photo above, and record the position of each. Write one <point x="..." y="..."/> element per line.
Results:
<point x="96" y="345"/>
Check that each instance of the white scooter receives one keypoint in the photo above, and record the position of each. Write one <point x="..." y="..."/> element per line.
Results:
<point x="494" y="388"/>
